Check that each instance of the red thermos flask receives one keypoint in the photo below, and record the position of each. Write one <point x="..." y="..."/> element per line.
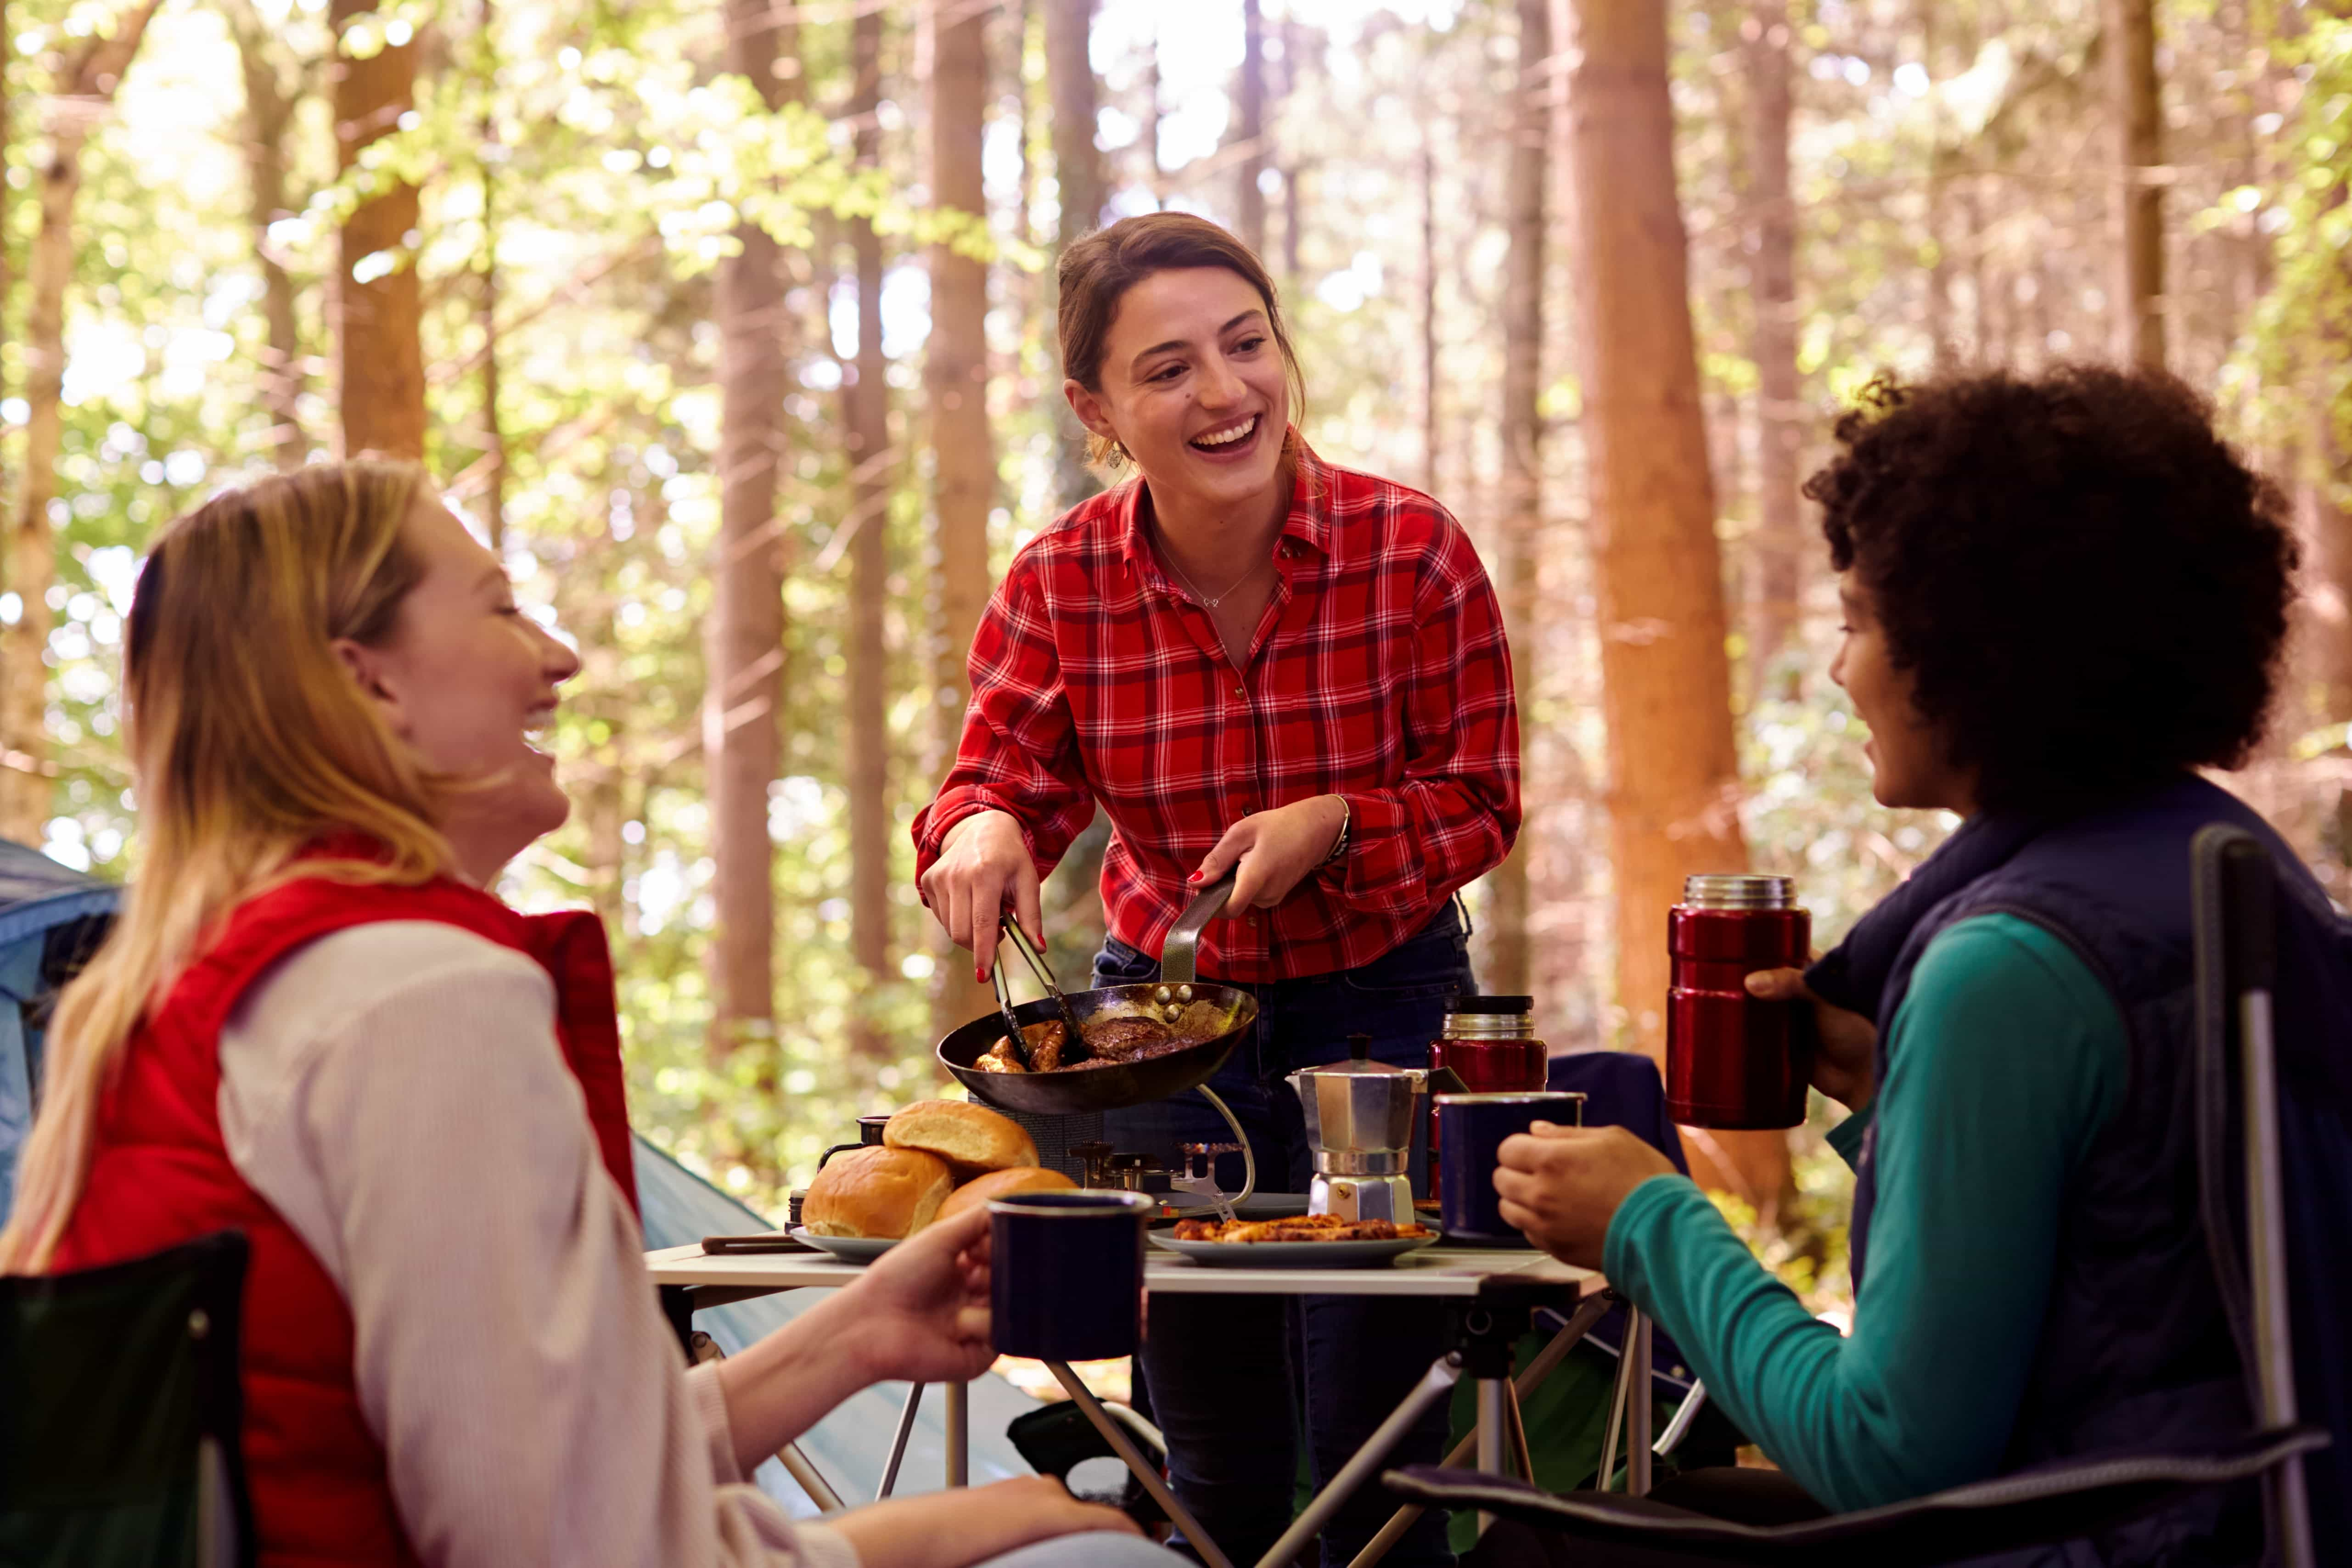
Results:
<point x="1491" y="1042"/>
<point x="1733" y="1060"/>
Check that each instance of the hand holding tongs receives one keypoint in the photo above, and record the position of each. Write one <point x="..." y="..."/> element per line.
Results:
<point x="1075" y="1047"/>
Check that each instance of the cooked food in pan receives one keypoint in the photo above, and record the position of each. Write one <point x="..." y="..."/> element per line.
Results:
<point x="1115" y="1035"/>
<point x="1298" y="1227"/>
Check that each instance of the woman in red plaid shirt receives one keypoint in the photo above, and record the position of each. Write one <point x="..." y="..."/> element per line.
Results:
<point x="1250" y="659"/>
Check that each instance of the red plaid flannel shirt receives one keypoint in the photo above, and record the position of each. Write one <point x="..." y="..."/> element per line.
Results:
<point x="1379" y="673"/>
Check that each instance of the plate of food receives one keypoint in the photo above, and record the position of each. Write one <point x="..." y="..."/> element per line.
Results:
<point x="1304" y="1241"/>
<point x="937" y="1158"/>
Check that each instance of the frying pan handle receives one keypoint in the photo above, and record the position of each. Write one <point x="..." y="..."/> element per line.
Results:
<point x="1183" y="944"/>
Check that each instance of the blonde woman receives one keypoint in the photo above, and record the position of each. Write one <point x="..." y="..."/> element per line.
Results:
<point x="313" y="1024"/>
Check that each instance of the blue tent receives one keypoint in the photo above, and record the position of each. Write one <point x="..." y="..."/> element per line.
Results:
<point x="52" y="919"/>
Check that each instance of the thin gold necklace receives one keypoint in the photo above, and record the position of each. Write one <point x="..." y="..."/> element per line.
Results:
<point x="1210" y="600"/>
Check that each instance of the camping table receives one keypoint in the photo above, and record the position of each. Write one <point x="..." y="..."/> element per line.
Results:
<point x="1491" y="1294"/>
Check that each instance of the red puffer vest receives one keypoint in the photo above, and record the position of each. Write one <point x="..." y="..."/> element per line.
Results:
<point x="161" y="1175"/>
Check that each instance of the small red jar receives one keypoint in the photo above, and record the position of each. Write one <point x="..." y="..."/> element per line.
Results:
<point x="1490" y="1042"/>
<point x="1734" y="1060"/>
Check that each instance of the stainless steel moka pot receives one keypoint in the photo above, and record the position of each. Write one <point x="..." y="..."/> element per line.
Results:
<point x="1360" y="1115"/>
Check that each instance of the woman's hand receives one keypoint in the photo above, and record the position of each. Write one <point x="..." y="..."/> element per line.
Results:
<point x="919" y="1312"/>
<point x="1561" y="1185"/>
<point x="1846" y="1055"/>
<point x="971" y="1524"/>
<point x="1274" y="849"/>
<point x="983" y="859"/>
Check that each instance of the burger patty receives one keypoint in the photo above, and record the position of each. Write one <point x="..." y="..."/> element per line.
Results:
<point x="1124" y="1039"/>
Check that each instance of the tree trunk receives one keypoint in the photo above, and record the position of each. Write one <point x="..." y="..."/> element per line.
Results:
<point x="955" y="381"/>
<point x="1430" y="441"/>
<point x="1780" y="550"/>
<point x="742" y="707"/>
<point x="1078" y="171"/>
<point x="269" y="104"/>
<point x="379" y="359"/>
<point x="1666" y="680"/>
<point x="1250" y="209"/>
<point x="867" y="416"/>
<point x="1155" y="178"/>
<point x="1519" y="538"/>
<point x="1938" y="313"/>
<point x="494" y="433"/>
<point x="85" y="86"/>
<point x="1016" y="56"/>
<point x="2137" y="112"/>
<point x="2327" y="573"/>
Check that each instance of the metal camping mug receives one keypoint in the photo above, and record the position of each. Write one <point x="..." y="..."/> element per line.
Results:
<point x="1734" y="1060"/>
<point x="1066" y="1274"/>
<point x="1472" y="1128"/>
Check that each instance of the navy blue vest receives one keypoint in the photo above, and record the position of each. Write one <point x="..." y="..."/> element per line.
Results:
<point x="2138" y="1348"/>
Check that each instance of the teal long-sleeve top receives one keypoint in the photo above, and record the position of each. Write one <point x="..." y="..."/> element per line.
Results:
<point x="2004" y="1061"/>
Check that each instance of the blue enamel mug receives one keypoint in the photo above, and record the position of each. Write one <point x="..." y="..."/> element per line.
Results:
<point x="1470" y="1132"/>
<point x="1066" y="1274"/>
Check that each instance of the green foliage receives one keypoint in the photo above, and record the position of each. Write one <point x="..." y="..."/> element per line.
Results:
<point x="619" y="160"/>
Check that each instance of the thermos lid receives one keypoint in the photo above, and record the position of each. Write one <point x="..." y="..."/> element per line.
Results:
<point x="1511" y="1005"/>
<point x="1738" y="891"/>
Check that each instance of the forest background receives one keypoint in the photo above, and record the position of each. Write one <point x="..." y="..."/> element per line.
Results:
<point x="728" y="323"/>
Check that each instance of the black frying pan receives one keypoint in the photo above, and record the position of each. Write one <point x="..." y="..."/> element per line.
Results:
<point x="1075" y="1090"/>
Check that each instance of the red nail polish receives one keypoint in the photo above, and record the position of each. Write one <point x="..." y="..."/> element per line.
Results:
<point x="1193" y="877"/>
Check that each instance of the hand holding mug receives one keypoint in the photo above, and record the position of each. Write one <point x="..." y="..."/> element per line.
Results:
<point x="1846" y="1050"/>
<point x="920" y="1310"/>
<point x="1561" y="1185"/>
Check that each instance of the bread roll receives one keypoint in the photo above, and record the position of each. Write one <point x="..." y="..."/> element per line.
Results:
<point x="1004" y="1184"/>
<point x="877" y="1193"/>
<point x="971" y="1137"/>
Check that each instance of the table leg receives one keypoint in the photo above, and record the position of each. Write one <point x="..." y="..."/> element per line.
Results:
<point x="1491" y="1431"/>
<point x="798" y="1465"/>
<point x="1153" y="1481"/>
<point x="1605" y="1479"/>
<point x="958" y="1435"/>
<point x="1547" y="1360"/>
<point x="1436" y="1384"/>
<point x="677" y="1307"/>
<point x="1678" y="1425"/>
<point x="1518" y="1428"/>
<point x="898" y="1440"/>
<point x="1637" y="1405"/>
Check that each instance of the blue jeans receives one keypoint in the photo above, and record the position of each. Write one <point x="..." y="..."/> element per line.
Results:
<point x="1226" y="1374"/>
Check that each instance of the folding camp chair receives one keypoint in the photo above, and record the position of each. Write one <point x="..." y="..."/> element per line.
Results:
<point x="2236" y="941"/>
<point x="121" y="1414"/>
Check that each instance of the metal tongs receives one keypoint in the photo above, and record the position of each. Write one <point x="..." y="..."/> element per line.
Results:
<point x="1075" y="1047"/>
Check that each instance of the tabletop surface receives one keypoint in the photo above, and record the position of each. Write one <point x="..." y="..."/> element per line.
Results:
<point x="1433" y="1272"/>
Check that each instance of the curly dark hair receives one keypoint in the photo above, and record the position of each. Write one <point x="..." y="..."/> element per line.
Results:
<point x="2087" y="585"/>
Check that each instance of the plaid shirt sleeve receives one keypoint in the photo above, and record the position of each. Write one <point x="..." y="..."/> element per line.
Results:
<point x="1019" y="752"/>
<point x="1457" y="812"/>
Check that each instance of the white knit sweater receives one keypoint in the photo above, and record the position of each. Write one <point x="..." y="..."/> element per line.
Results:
<point x="396" y="1092"/>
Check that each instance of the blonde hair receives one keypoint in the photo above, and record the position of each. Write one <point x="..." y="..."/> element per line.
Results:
<point x="248" y="740"/>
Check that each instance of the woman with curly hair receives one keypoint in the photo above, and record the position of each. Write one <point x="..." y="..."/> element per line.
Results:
<point x="2062" y="596"/>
